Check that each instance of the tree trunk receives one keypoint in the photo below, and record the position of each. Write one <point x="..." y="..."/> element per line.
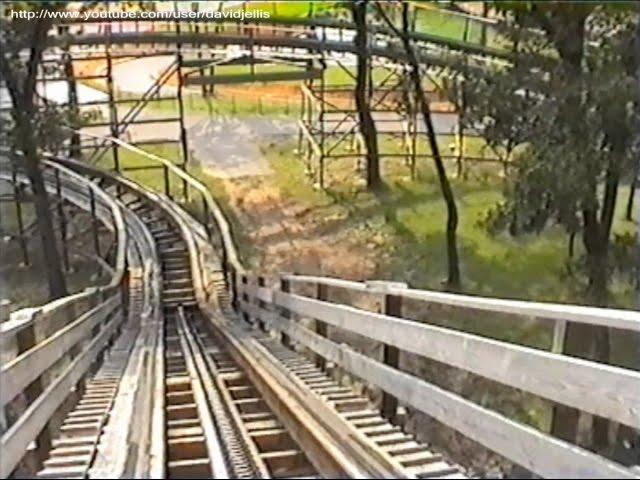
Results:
<point x="589" y="341"/>
<point x="51" y="257"/>
<point x="453" y="276"/>
<point x="483" y="28"/>
<point x="362" y="98"/>
<point x="628" y="437"/>
<point x="632" y="193"/>
<point x="22" y="92"/>
<point x="586" y="341"/>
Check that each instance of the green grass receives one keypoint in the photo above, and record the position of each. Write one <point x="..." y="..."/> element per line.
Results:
<point x="413" y="214"/>
<point x="237" y="105"/>
<point x="154" y="179"/>
<point x="291" y="9"/>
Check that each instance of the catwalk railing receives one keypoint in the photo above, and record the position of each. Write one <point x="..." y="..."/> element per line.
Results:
<point x="47" y="350"/>
<point x="606" y="391"/>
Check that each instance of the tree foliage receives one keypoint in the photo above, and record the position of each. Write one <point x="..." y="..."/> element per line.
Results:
<point x="563" y="114"/>
<point x="565" y="111"/>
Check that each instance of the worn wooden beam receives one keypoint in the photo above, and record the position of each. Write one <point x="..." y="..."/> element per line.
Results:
<point x="16" y="439"/>
<point x="524" y="445"/>
<point x="603" y="390"/>
<point x="607" y="317"/>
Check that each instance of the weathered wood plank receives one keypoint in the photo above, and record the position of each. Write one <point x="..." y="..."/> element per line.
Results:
<point x="526" y="446"/>
<point x="15" y="441"/>
<point x="20" y="372"/>
<point x="603" y="390"/>
<point x="261" y="293"/>
<point x="608" y="317"/>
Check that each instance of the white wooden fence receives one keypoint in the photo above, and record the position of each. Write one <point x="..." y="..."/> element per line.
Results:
<point x="604" y="390"/>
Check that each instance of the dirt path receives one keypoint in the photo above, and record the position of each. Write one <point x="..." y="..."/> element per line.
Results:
<point x="289" y="237"/>
<point x="283" y="234"/>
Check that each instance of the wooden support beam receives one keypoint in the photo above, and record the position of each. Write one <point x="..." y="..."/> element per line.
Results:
<point x="392" y="305"/>
<point x="603" y="390"/>
<point x="322" y="294"/>
<point x="285" y="287"/>
<point x="524" y="445"/>
<point x="252" y="78"/>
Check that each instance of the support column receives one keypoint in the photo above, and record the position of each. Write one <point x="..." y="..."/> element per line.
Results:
<point x="285" y="286"/>
<point x="260" y="304"/>
<point x="322" y="293"/>
<point x="62" y="220"/>
<point x="183" y="131"/>
<point x="245" y="298"/>
<point x="113" y="109"/>
<point x="72" y="91"/>
<point x="94" y="222"/>
<point x="27" y="339"/>
<point x="392" y="306"/>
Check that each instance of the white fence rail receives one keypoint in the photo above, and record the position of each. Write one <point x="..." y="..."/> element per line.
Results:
<point x="604" y="390"/>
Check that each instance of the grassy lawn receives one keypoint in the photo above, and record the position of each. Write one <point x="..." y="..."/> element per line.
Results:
<point x="291" y="9"/>
<point x="412" y="215"/>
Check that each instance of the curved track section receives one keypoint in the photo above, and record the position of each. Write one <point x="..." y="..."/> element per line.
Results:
<point x="227" y="402"/>
<point x="112" y="318"/>
<point x="223" y="376"/>
<point x="205" y="409"/>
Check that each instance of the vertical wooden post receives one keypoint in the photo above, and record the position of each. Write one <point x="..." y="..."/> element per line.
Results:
<point x="285" y="286"/>
<point x="94" y="222"/>
<point x="62" y="221"/>
<point x="245" y="298"/>
<point x="261" y="304"/>
<point x="183" y="129"/>
<point x="391" y="355"/>
<point x="321" y="162"/>
<point x="113" y="108"/>
<point x="392" y="306"/>
<point x="27" y="339"/>
<point x="233" y="278"/>
<point x="167" y="185"/>
<point x="72" y="92"/>
<point x="206" y="217"/>
<point x="322" y="293"/>
<point x="5" y="309"/>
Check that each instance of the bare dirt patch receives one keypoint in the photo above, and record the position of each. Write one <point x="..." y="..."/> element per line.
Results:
<point x="289" y="237"/>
